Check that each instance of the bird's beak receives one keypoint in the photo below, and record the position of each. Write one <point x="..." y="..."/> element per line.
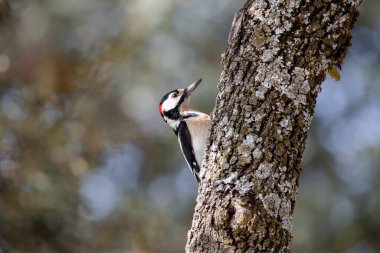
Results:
<point x="189" y="89"/>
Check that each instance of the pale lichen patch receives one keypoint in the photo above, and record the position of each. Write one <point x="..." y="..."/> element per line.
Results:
<point x="257" y="153"/>
<point x="238" y="77"/>
<point x="229" y="133"/>
<point x="230" y="180"/>
<point x="285" y="212"/>
<point x="285" y="186"/>
<point x="242" y="185"/>
<point x="305" y="87"/>
<point x="293" y="4"/>
<point x="241" y="217"/>
<point x="245" y="187"/>
<point x="256" y="10"/>
<point x="264" y="170"/>
<point x="287" y="223"/>
<point x="260" y="94"/>
<point x="285" y="124"/>
<point x="224" y="121"/>
<point x="270" y="54"/>
<point x="271" y="203"/>
<point x="258" y="117"/>
<point x="251" y="140"/>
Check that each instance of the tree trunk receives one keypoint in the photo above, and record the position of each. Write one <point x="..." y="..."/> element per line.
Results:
<point x="277" y="57"/>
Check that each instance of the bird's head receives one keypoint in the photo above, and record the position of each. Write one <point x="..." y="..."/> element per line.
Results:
<point x="175" y="102"/>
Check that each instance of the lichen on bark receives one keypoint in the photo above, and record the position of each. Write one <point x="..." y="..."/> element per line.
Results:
<point x="277" y="57"/>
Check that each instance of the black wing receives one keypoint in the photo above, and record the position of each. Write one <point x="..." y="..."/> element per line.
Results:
<point x="184" y="140"/>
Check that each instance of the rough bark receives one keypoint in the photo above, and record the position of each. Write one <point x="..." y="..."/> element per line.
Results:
<point x="277" y="57"/>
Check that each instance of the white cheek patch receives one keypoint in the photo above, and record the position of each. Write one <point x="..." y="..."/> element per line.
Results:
<point x="170" y="103"/>
<point x="173" y="123"/>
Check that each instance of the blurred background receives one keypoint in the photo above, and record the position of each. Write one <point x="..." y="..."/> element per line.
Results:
<point x="88" y="165"/>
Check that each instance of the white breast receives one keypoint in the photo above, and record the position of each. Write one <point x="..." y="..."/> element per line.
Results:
<point x="199" y="128"/>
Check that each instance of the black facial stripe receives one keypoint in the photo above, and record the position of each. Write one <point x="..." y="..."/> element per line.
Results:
<point x="190" y="115"/>
<point x="173" y="114"/>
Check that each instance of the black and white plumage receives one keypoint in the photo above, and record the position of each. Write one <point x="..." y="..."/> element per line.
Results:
<point x="190" y="126"/>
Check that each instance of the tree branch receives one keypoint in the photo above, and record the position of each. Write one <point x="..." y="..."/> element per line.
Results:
<point x="277" y="57"/>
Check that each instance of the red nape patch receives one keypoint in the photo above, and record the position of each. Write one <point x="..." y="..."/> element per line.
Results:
<point x="160" y="109"/>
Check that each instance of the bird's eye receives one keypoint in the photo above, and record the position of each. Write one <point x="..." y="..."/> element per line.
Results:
<point x="174" y="95"/>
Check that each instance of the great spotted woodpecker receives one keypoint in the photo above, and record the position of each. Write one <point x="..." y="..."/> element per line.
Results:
<point x="190" y="126"/>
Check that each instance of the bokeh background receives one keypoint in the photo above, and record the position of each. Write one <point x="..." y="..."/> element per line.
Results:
<point x="88" y="165"/>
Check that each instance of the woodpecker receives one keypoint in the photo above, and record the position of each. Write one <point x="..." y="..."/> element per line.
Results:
<point x="191" y="127"/>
